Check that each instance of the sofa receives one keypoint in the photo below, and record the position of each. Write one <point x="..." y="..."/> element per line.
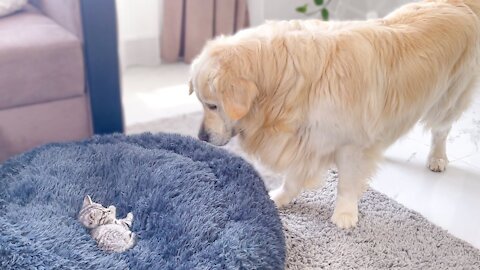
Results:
<point x="43" y="96"/>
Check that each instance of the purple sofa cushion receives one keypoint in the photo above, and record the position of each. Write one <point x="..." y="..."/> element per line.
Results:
<point x="10" y="6"/>
<point x="39" y="60"/>
<point x="65" y="12"/>
<point x="25" y="127"/>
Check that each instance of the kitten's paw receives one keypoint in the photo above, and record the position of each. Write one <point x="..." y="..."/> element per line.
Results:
<point x="280" y="197"/>
<point x="437" y="164"/>
<point x="130" y="215"/>
<point x="112" y="208"/>
<point x="345" y="220"/>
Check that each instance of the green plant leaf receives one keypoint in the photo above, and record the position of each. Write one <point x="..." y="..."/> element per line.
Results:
<point x="318" y="2"/>
<point x="302" y="9"/>
<point x="325" y="14"/>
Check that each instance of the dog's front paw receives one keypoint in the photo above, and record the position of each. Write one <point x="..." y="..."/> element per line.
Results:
<point x="437" y="164"/>
<point x="280" y="197"/>
<point x="345" y="220"/>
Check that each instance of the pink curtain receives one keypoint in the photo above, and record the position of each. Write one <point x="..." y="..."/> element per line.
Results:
<point x="188" y="24"/>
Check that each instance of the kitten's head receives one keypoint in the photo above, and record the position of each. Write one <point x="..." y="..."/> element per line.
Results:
<point x="94" y="214"/>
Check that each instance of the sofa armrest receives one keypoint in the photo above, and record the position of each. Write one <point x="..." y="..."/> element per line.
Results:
<point x="66" y="13"/>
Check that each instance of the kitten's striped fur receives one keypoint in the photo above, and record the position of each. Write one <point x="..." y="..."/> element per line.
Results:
<point x="111" y="234"/>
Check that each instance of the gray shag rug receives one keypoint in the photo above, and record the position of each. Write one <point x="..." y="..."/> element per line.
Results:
<point x="388" y="236"/>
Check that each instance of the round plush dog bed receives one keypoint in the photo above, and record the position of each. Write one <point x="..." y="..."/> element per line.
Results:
<point x="195" y="206"/>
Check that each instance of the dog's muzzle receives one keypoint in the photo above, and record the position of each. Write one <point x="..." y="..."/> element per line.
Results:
<point x="203" y="135"/>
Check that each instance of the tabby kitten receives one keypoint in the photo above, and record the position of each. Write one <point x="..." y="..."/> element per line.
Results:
<point x="111" y="234"/>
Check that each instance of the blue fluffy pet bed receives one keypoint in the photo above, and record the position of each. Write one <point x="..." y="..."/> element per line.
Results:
<point x="195" y="206"/>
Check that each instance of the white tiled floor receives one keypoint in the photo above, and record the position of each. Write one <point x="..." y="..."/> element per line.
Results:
<point x="151" y="93"/>
<point x="450" y="199"/>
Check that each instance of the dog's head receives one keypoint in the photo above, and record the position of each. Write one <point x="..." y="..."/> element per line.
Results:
<point x="221" y="80"/>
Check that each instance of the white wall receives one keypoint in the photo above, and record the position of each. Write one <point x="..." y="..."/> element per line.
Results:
<point x="283" y="9"/>
<point x="339" y="9"/>
<point x="256" y="11"/>
<point x="139" y="28"/>
<point x="261" y="10"/>
<point x="139" y="24"/>
<point x="139" y="21"/>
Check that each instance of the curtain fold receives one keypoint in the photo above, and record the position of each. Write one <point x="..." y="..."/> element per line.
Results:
<point x="189" y="24"/>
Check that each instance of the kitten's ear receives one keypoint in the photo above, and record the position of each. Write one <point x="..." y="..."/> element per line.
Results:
<point x="87" y="201"/>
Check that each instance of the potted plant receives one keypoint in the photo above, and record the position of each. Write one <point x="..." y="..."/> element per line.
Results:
<point x="320" y="7"/>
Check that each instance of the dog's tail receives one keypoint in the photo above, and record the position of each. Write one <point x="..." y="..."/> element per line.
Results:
<point x="474" y="5"/>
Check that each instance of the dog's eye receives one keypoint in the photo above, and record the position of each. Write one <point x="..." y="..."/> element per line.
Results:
<point x="211" y="107"/>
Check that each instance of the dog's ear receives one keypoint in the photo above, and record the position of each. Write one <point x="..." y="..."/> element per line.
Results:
<point x="237" y="96"/>
<point x="238" y="101"/>
<point x="236" y="91"/>
<point x="190" y="85"/>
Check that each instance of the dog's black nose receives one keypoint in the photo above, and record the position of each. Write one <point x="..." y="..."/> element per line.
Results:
<point x="203" y="135"/>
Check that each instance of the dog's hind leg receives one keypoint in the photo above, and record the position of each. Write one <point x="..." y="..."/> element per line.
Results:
<point x="450" y="109"/>
<point x="437" y="159"/>
<point x="355" y="166"/>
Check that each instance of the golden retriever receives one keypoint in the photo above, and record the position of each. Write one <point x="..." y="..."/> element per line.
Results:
<point x="305" y="95"/>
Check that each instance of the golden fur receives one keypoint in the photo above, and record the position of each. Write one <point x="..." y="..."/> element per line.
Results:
<point x="303" y="95"/>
